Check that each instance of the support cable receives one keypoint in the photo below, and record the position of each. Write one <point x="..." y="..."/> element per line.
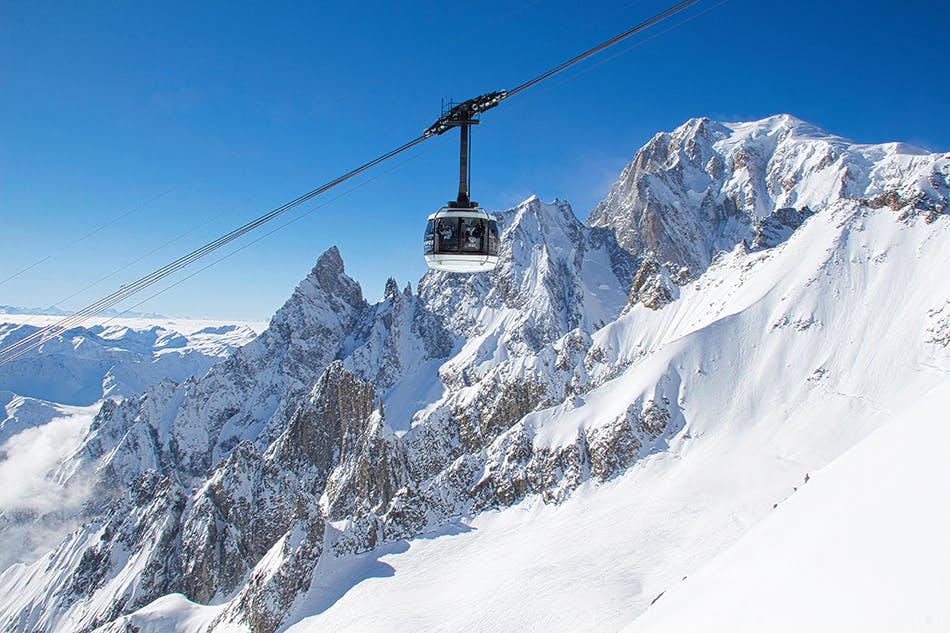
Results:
<point x="656" y="19"/>
<point x="35" y="340"/>
<point x="465" y="111"/>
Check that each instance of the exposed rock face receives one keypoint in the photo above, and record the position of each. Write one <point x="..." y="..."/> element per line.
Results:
<point x="329" y="461"/>
<point x="778" y="226"/>
<point x="708" y="186"/>
<point x="653" y="286"/>
<point x="346" y="425"/>
<point x="516" y="468"/>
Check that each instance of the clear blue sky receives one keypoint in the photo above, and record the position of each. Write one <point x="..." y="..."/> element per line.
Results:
<point x="171" y="118"/>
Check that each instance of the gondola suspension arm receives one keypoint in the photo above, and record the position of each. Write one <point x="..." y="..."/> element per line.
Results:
<point x="460" y="115"/>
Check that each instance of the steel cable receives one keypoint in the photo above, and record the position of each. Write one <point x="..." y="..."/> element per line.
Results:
<point x="35" y="340"/>
<point x="656" y="19"/>
<point x="38" y="338"/>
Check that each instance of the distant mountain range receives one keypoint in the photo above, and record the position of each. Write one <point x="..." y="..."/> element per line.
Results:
<point x="54" y="311"/>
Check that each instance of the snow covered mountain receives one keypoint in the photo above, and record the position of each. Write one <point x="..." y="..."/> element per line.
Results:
<point x="54" y="311"/>
<point x="83" y="366"/>
<point x="86" y="364"/>
<point x="708" y="186"/>
<point x="546" y="447"/>
<point x="49" y="397"/>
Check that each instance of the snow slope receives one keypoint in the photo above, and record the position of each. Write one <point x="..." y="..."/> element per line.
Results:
<point x="782" y="369"/>
<point x="862" y="547"/>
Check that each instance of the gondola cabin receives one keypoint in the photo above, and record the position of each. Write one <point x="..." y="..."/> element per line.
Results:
<point x="461" y="237"/>
<point x="461" y="240"/>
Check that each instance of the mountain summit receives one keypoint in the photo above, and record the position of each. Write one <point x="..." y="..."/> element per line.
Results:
<point x="707" y="186"/>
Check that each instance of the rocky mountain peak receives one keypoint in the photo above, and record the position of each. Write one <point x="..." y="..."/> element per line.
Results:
<point x="329" y="263"/>
<point x="248" y="397"/>
<point x="327" y="287"/>
<point x="546" y="220"/>
<point x="392" y="290"/>
<point x="707" y="185"/>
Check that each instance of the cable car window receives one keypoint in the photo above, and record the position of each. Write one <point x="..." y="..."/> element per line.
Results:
<point x="472" y="235"/>
<point x="448" y="234"/>
<point x="493" y="237"/>
<point x="428" y="241"/>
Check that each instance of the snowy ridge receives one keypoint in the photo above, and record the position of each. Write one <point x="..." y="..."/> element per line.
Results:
<point x="20" y="413"/>
<point x="580" y="395"/>
<point x="58" y="312"/>
<point x="86" y="364"/>
<point x="707" y="186"/>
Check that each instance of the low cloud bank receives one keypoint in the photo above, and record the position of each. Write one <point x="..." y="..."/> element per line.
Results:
<point x="36" y="512"/>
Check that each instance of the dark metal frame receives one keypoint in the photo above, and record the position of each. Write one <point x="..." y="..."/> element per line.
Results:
<point x="462" y="115"/>
<point x="489" y="238"/>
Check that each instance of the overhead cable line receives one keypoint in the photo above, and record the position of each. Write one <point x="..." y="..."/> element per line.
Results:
<point x="462" y="112"/>
<point x="98" y="229"/>
<point x="33" y="341"/>
<point x="277" y="228"/>
<point x="656" y="19"/>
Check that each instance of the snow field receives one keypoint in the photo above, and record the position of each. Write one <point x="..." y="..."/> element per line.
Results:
<point x="861" y="547"/>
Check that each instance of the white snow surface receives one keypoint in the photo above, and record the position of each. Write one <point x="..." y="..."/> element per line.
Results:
<point x="826" y="356"/>
<point x="861" y="547"/>
<point x="173" y="613"/>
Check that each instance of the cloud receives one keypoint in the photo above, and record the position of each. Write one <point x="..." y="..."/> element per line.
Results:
<point x="37" y="512"/>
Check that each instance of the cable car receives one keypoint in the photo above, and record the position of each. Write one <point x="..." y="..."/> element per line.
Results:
<point x="461" y="237"/>
<point x="461" y="240"/>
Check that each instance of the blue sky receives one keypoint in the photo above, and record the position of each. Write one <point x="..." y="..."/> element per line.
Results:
<point x="165" y="125"/>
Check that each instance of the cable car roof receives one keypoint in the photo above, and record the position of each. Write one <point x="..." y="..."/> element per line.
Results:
<point x="455" y="212"/>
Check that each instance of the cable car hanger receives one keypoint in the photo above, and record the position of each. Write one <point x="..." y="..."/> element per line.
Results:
<point x="461" y="237"/>
<point x="461" y="115"/>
